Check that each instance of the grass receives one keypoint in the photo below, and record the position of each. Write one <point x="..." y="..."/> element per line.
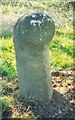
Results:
<point x="8" y="57"/>
<point x="61" y="48"/>
<point x="5" y="105"/>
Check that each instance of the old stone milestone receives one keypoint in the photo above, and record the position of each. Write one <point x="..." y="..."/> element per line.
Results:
<point x="32" y="35"/>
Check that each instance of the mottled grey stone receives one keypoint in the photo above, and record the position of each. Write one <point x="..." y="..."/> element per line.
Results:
<point x="32" y="35"/>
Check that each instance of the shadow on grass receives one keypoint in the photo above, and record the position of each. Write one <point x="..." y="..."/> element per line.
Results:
<point x="58" y="108"/>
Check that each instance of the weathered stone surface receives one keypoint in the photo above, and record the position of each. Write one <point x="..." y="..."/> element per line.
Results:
<point x="32" y="35"/>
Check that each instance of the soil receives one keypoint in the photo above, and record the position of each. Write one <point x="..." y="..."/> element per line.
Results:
<point x="61" y="106"/>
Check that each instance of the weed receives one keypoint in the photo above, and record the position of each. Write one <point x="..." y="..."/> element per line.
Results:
<point x="5" y="105"/>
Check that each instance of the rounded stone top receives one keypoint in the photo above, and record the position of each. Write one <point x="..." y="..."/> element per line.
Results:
<point x="36" y="29"/>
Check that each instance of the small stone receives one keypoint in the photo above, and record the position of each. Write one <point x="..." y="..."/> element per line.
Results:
<point x="71" y="109"/>
<point x="44" y="15"/>
<point x="56" y="114"/>
<point x="53" y="116"/>
<point x="72" y="102"/>
<point x="59" y="111"/>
